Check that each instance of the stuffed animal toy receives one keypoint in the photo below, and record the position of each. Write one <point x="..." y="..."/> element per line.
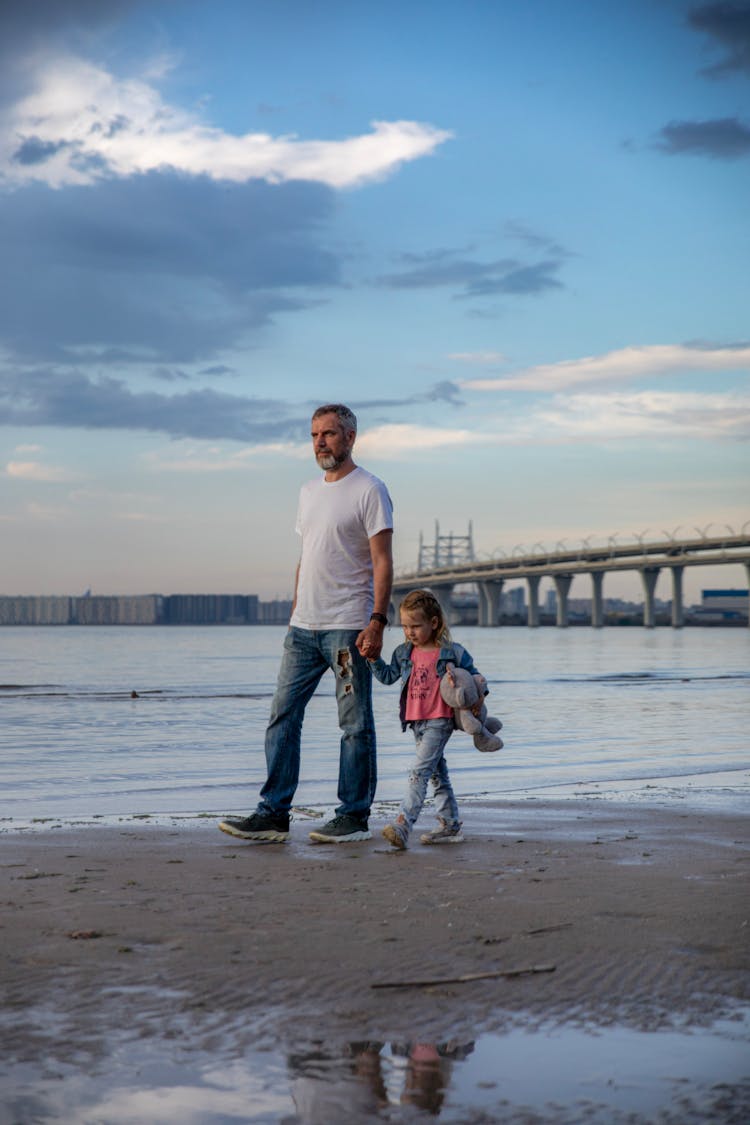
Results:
<point x="460" y="691"/>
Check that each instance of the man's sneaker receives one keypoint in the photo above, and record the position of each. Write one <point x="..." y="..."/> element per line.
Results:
<point x="396" y="834"/>
<point x="444" y="834"/>
<point x="272" y="827"/>
<point x="342" y="830"/>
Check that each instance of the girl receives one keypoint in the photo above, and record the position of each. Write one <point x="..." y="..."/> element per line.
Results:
<point x="419" y="664"/>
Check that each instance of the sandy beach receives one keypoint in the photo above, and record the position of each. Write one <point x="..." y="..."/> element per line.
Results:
<point x="631" y="915"/>
<point x="644" y="914"/>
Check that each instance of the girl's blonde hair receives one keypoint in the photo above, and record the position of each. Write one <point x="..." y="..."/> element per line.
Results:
<point x="425" y="602"/>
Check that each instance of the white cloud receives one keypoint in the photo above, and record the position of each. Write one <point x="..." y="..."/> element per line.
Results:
<point x="578" y="418"/>
<point x="399" y="439"/>
<point x="81" y="122"/>
<point x="36" y="471"/>
<point x="615" y="367"/>
<point x="648" y="414"/>
<point x="214" y="459"/>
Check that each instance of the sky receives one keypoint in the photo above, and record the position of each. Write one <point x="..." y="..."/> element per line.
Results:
<point x="513" y="238"/>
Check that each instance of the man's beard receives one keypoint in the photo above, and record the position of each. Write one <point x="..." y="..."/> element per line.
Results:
<point x="330" y="461"/>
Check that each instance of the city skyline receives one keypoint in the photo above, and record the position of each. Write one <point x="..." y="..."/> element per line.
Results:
<point x="511" y="237"/>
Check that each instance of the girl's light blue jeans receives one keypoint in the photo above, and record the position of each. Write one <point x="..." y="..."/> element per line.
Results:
<point x="308" y="654"/>
<point x="431" y="736"/>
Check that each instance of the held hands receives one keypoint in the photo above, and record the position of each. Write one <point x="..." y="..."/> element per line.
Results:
<point x="370" y="640"/>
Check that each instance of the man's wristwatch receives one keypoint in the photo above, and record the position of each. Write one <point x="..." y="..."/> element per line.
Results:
<point x="379" y="617"/>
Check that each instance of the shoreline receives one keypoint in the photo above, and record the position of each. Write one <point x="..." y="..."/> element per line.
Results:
<point x="702" y="791"/>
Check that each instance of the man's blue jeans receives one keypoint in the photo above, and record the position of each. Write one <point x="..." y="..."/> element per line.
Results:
<point x="307" y="656"/>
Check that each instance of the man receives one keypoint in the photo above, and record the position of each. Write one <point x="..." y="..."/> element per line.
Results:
<point x="341" y="595"/>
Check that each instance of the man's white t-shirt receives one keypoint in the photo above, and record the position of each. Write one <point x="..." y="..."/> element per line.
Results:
<point x="336" y="520"/>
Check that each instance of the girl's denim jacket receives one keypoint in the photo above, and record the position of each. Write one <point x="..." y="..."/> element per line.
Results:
<point x="401" y="666"/>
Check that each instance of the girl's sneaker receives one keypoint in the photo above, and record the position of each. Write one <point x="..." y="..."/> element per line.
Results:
<point x="396" y="834"/>
<point x="444" y="834"/>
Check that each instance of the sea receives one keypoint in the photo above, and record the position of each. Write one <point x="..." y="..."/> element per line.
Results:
<point x="100" y="723"/>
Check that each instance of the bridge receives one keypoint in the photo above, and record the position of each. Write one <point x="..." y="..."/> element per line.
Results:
<point x="562" y="565"/>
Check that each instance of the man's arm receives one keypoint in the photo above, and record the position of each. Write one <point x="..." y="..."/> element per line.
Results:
<point x="296" y="584"/>
<point x="370" y="640"/>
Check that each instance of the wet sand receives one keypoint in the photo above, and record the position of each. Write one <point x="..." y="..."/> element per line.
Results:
<point x="640" y="917"/>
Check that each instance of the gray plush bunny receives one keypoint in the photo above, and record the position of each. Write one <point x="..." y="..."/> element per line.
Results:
<point x="461" y="691"/>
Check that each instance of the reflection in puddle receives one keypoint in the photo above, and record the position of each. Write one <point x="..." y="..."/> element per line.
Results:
<point x="555" y="1074"/>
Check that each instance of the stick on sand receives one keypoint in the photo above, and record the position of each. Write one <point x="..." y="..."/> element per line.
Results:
<point x="466" y="977"/>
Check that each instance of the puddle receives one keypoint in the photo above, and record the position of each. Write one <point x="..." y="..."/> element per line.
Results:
<point x="547" y="1076"/>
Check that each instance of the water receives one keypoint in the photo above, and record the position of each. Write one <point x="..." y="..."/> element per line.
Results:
<point x="550" y="1075"/>
<point x="660" y="712"/>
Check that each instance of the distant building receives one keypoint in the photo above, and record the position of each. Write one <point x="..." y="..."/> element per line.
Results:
<point x="276" y="612"/>
<point x="722" y="605"/>
<point x="35" y="610"/>
<point x="210" y="609"/>
<point x="725" y="599"/>
<point x="513" y="602"/>
<point x="116" y="609"/>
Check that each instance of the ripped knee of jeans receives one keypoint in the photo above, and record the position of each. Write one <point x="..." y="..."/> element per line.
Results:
<point x="344" y="665"/>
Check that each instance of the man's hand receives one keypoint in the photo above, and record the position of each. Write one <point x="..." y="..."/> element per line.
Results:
<point x="370" y="640"/>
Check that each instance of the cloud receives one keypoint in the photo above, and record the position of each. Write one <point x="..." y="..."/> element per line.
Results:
<point x="646" y="414"/>
<point x="444" y="391"/>
<point x="403" y="439"/>
<point x="80" y="124"/>
<point x="618" y="366"/>
<point x="729" y="25"/>
<point x="725" y="138"/>
<point x="26" y="29"/>
<point x="37" y="471"/>
<point x="72" y="400"/>
<point x="212" y="459"/>
<point x="578" y="418"/>
<point x="161" y="267"/>
<point x="472" y="278"/>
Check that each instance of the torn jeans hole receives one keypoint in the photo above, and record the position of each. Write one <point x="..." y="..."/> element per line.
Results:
<point x="344" y="663"/>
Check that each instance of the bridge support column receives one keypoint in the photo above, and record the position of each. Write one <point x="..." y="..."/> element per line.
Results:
<point x="532" y="618"/>
<point x="489" y="602"/>
<point x="649" y="574"/>
<point x="396" y="598"/>
<point x="444" y="595"/>
<point x="597" y="602"/>
<point x="562" y="585"/>
<point x="747" y="568"/>
<point x="678" y="612"/>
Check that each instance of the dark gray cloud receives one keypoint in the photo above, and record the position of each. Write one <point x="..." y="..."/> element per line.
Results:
<point x="472" y="278"/>
<point x="33" y="150"/>
<point x="726" y="138"/>
<point x="72" y="399"/>
<point x="218" y="369"/>
<point x="729" y="25"/>
<point x="444" y="391"/>
<point x="519" y="280"/>
<point x="163" y="267"/>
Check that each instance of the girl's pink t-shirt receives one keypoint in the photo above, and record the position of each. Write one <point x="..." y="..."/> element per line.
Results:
<point x="423" y="698"/>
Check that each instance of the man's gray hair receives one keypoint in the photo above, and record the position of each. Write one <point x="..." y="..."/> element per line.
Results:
<point x="346" y="416"/>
